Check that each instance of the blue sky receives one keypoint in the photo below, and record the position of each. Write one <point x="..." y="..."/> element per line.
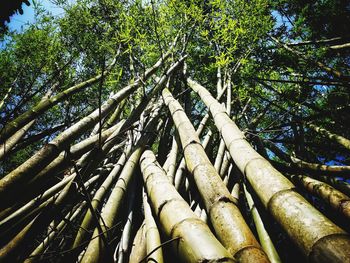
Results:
<point x="18" y="21"/>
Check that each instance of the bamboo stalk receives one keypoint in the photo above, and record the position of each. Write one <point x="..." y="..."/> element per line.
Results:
<point x="336" y="199"/>
<point x="96" y="248"/>
<point x="224" y="215"/>
<point x="170" y="164"/>
<point x="46" y="104"/>
<point x="50" y="151"/>
<point x="264" y="237"/>
<point x="138" y="251"/>
<point x="338" y="169"/>
<point x="152" y="234"/>
<point x="196" y="243"/>
<point x="12" y="140"/>
<point x="332" y="136"/>
<point x="319" y="238"/>
<point x="121" y="253"/>
<point x="82" y="234"/>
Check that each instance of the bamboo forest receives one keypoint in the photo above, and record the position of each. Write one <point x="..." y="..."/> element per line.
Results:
<point x="175" y="131"/>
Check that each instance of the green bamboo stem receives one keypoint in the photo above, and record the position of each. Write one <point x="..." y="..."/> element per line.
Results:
<point x="332" y="136"/>
<point x="82" y="234"/>
<point x="170" y="163"/>
<point x="303" y="165"/>
<point x="319" y="238"/>
<point x="338" y="169"/>
<point x="39" y="250"/>
<point x="340" y="185"/>
<point x="152" y="234"/>
<point x="196" y="243"/>
<point x="121" y="253"/>
<point x="336" y="199"/>
<point x="75" y="152"/>
<point x="264" y="237"/>
<point x="50" y="151"/>
<point x="6" y="95"/>
<point x="224" y="215"/>
<point x="12" y="141"/>
<point x="45" y="104"/>
<point x="116" y="114"/>
<point x="96" y="248"/>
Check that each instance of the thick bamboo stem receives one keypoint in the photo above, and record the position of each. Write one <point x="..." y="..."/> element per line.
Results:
<point x="336" y="199"/>
<point x="82" y="234"/>
<point x="225" y="217"/>
<point x="96" y="248"/>
<point x="138" y="251"/>
<point x="196" y="243"/>
<point x="319" y="238"/>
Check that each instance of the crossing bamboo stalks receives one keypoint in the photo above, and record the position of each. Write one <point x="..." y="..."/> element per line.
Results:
<point x="152" y="234"/>
<point x="51" y="150"/>
<point x="122" y="250"/>
<point x="307" y="166"/>
<point x="264" y="237"/>
<point x="48" y="103"/>
<point x="11" y="141"/>
<point x="96" y="248"/>
<point x="224" y="215"/>
<point x="196" y="243"/>
<point x="10" y="251"/>
<point x="16" y="220"/>
<point x="97" y="199"/>
<point x="332" y="136"/>
<point x="38" y="183"/>
<point x="221" y="150"/>
<point x="75" y="152"/>
<point x="333" y="197"/>
<point x="319" y="238"/>
<point x="71" y="216"/>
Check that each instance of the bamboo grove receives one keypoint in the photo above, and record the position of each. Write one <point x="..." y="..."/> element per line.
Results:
<point x="176" y="131"/>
